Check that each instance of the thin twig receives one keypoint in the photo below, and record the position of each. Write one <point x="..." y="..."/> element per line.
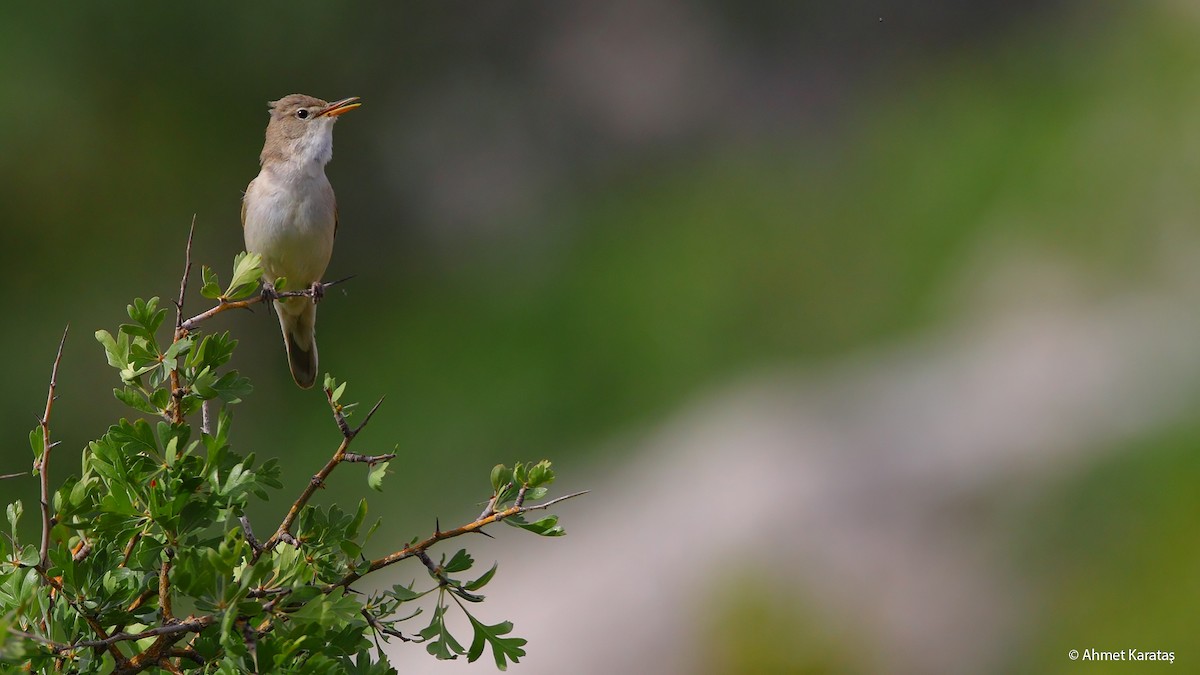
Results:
<point x="14" y="475"/>
<point x="167" y="637"/>
<point x="97" y="628"/>
<point x="56" y="646"/>
<point x="375" y="623"/>
<point x="490" y="508"/>
<point x="370" y="414"/>
<point x="188" y="653"/>
<point x="190" y="625"/>
<point x="128" y="553"/>
<point x="205" y="417"/>
<point x="438" y="573"/>
<point x="421" y="546"/>
<point x="176" y="388"/>
<point x="43" y="463"/>
<point x="248" y="532"/>
<point x="226" y="305"/>
<point x="221" y="306"/>
<point x="164" y="587"/>
<point x="552" y="502"/>
<point x="141" y="599"/>
<point x="368" y="459"/>
<point x="284" y="531"/>
<point x="83" y="550"/>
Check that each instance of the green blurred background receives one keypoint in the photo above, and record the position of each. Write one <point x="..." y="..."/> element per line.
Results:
<point x="568" y="221"/>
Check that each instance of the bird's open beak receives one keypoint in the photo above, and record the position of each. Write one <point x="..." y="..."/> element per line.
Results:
<point x="338" y="107"/>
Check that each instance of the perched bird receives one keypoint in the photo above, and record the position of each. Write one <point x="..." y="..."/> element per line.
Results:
<point x="289" y="217"/>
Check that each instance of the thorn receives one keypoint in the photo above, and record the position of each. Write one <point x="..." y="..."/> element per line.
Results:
<point x="339" y="281"/>
<point x="368" y="417"/>
<point x="63" y="341"/>
<point x="437" y="526"/>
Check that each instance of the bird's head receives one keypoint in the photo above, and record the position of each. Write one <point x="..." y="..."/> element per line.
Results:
<point x="301" y="129"/>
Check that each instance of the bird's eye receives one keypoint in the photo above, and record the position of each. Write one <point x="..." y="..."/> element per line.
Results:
<point x="302" y="114"/>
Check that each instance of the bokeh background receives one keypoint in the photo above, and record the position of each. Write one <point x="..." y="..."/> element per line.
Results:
<point x="871" y="325"/>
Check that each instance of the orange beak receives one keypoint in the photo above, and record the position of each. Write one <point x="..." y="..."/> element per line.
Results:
<point x="338" y="107"/>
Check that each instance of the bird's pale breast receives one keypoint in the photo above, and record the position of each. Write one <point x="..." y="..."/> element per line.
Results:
<point x="290" y="223"/>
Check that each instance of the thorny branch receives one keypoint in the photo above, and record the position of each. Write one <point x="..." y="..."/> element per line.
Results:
<point x="420" y="547"/>
<point x="176" y="389"/>
<point x="162" y="652"/>
<point x="226" y="305"/>
<point x="284" y="532"/>
<point x="378" y="625"/>
<point x="164" y="587"/>
<point x="43" y="463"/>
<point x="191" y="625"/>
<point x="92" y="622"/>
<point x="158" y="653"/>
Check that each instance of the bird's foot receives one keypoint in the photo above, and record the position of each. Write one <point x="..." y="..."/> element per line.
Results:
<point x="269" y="293"/>
<point x="316" y="291"/>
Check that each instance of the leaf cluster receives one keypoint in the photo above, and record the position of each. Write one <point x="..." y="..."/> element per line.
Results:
<point x="151" y="562"/>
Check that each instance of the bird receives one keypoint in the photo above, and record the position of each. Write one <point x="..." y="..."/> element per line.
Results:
<point x="290" y="218"/>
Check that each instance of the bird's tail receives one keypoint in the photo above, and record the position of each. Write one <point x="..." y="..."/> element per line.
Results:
<point x="298" y="321"/>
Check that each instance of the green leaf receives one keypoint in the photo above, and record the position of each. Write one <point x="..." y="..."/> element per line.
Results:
<point x="202" y="384"/>
<point x="360" y="515"/>
<point x="247" y="270"/>
<point x="14" y="512"/>
<point x="404" y="593"/>
<point x="136" y="436"/>
<point x="482" y="581"/>
<point x="500" y="476"/>
<point x="212" y="286"/>
<point x="503" y="648"/>
<point x="540" y="474"/>
<point x="459" y="562"/>
<point x="350" y="548"/>
<point x="177" y="347"/>
<point x="375" y="476"/>
<point x="371" y="531"/>
<point x="214" y="351"/>
<point x="231" y="387"/>
<point x="134" y="399"/>
<point x="116" y="349"/>
<point x="160" y="398"/>
<point x="336" y="608"/>
<point x="147" y="319"/>
<point x="30" y="556"/>
<point x="546" y="527"/>
<point x="37" y="441"/>
<point x="79" y="490"/>
<point x="442" y="644"/>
